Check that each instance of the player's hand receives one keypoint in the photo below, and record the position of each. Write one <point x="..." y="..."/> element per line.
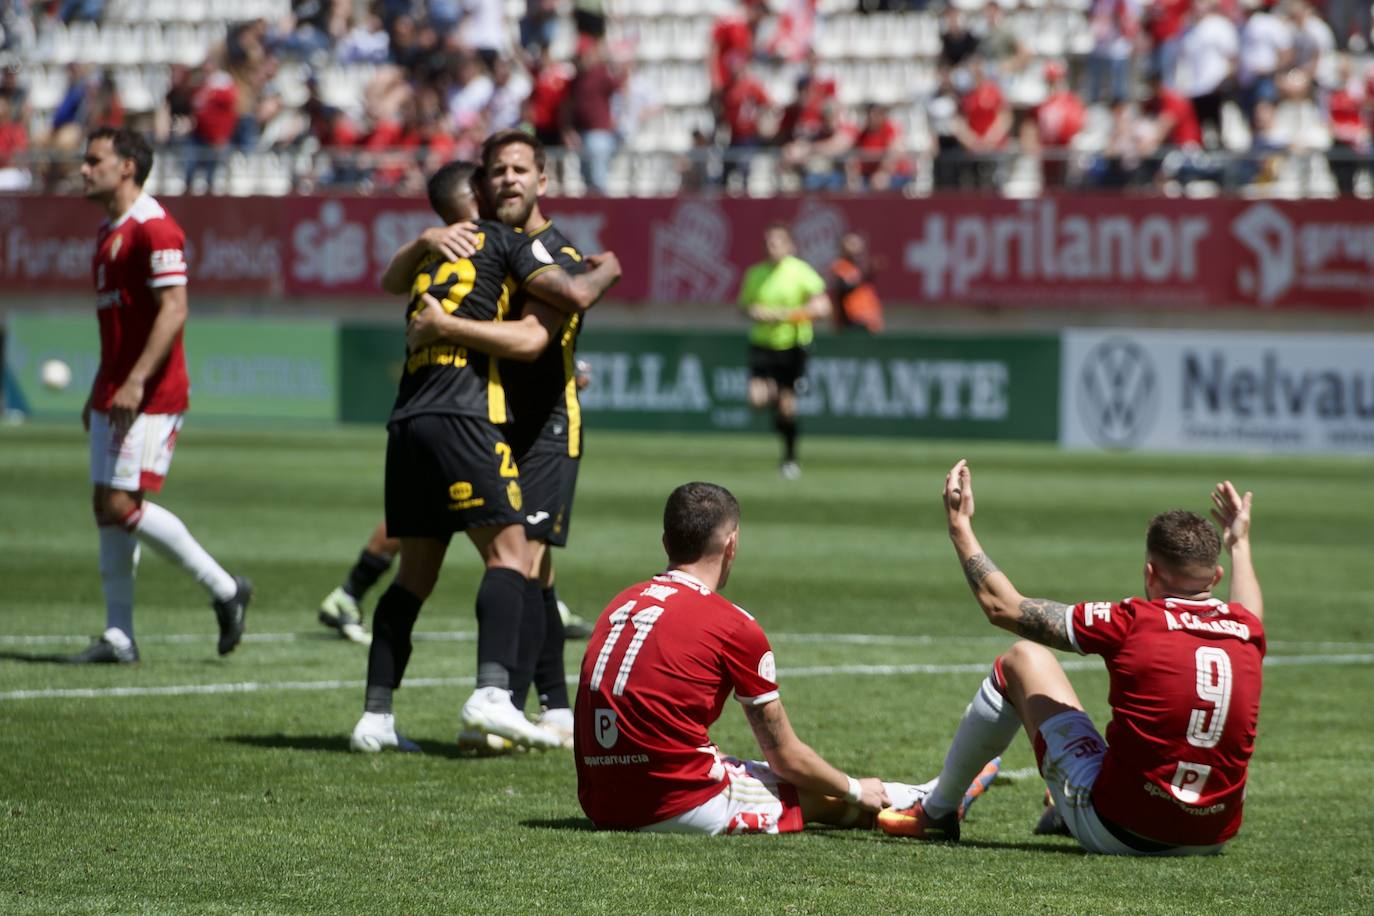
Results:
<point x="127" y="400"/>
<point x="958" y="494"/>
<point x="761" y="313"/>
<point x="874" y="797"/>
<point x="595" y="261"/>
<point x="452" y="243"/>
<point x="86" y="414"/>
<point x="423" y="327"/>
<point x="1232" y="513"/>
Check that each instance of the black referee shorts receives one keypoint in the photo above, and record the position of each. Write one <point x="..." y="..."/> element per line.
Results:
<point x="446" y="474"/>
<point x="785" y="367"/>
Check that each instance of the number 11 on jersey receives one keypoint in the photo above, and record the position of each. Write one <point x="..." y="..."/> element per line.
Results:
<point x="643" y="622"/>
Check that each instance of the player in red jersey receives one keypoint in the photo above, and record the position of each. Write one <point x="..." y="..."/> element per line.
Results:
<point x="1185" y="676"/>
<point x="136" y="403"/>
<point x="662" y="660"/>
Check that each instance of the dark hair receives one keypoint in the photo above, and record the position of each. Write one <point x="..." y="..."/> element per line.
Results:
<point x="127" y="144"/>
<point x="1183" y="540"/>
<point x="504" y="138"/>
<point x="778" y="225"/>
<point x="694" y="513"/>
<point x="445" y="182"/>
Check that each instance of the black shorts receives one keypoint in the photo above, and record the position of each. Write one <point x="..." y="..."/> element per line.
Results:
<point x="446" y="474"/>
<point x="786" y="367"/>
<point x="549" y="477"/>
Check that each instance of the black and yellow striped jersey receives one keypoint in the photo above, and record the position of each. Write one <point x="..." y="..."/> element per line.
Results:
<point x="445" y="378"/>
<point x="543" y="393"/>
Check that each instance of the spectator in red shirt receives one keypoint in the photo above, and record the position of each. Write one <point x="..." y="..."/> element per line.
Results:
<point x="877" y="161"/>
<point x="1164" y="22"/>
<point x="14" y="142"/>
<point x="1171" y="118"/>
<point x="742" y="104"/>
<point x="733" y="42"/>
<point x="981" y="127"/>
<point x="215" y="109"/>
<point x="1169" y="122"/>
<point x="802" y="118"/>
<point x="544" y="105"/>
<point x="1058" y="120"/>
<point x="589" y="127"/>
<point x="1346" y="108"/>
<point x="816" y="153"/>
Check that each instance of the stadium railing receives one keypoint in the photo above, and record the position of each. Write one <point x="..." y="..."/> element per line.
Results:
<point x="755" y="173"/>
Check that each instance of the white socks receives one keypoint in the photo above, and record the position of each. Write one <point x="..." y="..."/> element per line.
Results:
<point x="118" y="560"/>
<point x="988" y="727"/>
<point x="165" y="533"/>
<point x="904" y="794"/>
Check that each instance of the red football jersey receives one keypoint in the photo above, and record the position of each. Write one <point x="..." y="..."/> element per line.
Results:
<point x="135" y="255"/>
<point x="662" y="660"/>
<point x="1185" y="693"/>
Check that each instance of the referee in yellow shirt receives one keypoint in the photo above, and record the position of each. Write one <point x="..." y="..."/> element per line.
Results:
<point x="782" y="296"/>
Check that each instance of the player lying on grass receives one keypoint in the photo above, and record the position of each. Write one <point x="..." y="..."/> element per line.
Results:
<point x="1185" y="688"/>
<point x="662" y="660"/>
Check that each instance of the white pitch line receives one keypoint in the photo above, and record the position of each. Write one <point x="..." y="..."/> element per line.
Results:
<point x="90" y="693"/>
<point x="855" y="639"/>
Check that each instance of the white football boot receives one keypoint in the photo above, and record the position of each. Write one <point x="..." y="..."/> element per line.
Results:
<point x="376" y="732"/>
<point x="491" y="711"/>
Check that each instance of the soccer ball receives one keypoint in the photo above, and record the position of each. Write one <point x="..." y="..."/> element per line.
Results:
<point x="56" y="375"/>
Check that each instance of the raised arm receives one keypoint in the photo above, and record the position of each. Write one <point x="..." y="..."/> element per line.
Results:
<point x="1232" y="513"/>
<point x="567" y="293"/>
<point x="521" y="340"/>
<point x="795" y="762"/>
<point x="453" y="243"/>
<point x="1038" y="619"/>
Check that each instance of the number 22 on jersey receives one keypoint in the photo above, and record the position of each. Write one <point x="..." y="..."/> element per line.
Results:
<point x="642" y="623"/>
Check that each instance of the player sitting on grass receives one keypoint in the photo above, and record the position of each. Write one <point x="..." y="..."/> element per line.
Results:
<point x="1185" y="690"/>
<point x="662" y="660"/>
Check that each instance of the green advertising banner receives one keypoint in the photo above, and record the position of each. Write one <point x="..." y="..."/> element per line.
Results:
<point x="242" y="369"/>
<point x="969" y="387"/>
<point x="372" y="355"/>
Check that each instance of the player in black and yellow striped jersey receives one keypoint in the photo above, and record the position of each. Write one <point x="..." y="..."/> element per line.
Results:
<point x="449" y="468"/>
<point x="546" y="431"/>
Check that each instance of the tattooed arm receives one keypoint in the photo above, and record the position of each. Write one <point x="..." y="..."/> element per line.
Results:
<point x="1036" y="619"/>
<point x="794" y="760"/>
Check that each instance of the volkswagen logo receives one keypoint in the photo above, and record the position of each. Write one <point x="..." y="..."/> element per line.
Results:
<point x="1117" y="393"/>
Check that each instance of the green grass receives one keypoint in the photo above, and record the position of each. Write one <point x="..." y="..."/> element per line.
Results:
<point x="250" y="802"/>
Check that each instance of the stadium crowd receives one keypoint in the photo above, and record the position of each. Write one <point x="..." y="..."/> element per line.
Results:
<point x="1141" y="94"/>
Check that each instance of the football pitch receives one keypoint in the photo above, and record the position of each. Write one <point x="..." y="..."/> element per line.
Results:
<point x="194" y="783"/>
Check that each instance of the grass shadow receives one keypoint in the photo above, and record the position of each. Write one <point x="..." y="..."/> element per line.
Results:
<point x="338" y="743"/>
<point x="45" y="658"/>
<point x="278" y="742"/>
<point x="864" y="836"/>
<point x="577" y="824"/>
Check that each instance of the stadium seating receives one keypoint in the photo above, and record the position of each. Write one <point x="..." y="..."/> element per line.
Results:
<point x="877" y="57"/>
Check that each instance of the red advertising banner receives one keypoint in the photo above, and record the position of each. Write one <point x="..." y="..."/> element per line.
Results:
<point x="233" y="245"/>
<point x="1069" y="251"/>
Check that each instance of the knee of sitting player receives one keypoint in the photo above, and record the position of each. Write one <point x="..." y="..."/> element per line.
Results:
<point x="1035" y="681"/>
